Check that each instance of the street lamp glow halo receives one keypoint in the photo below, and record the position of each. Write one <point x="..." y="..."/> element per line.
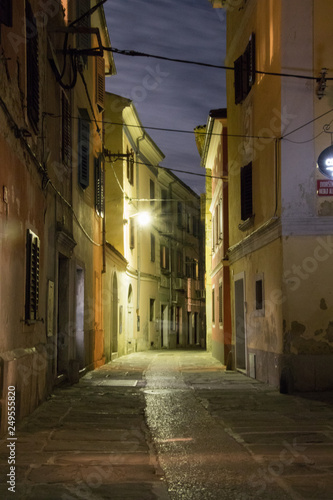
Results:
<point x="144" y="218"/>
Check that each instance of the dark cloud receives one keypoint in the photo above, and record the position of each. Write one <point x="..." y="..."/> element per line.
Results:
<point x="169" y="94"/>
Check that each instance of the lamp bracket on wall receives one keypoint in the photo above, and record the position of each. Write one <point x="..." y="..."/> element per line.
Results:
<point x="321" y="83"/>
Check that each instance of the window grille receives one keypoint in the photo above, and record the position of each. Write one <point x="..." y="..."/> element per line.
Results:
<point x="32" y="276"/>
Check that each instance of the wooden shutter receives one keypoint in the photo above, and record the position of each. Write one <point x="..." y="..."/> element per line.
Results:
<point x="100" y="83"/>
<point x="32" y="276"/>
<point x="244" y="71"/>
<point x="83" y="167"/>
<point x="6" y="12"/>
<point x="32" y="68"/>
<point x="66" y="131"/>
<point x="99" y="187"/>
<point x="152" y="247"/>
<point x="246" y="192"/>
<point x="131" y="235"/>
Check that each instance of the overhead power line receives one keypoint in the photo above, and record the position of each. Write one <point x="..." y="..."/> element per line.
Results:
<point x="135" y="53"/>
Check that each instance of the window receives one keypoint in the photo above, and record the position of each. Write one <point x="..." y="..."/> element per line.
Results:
<point x="216" y="225"/>
<point x="6" y="10"/>
<point x="132" y="233"/>
<point x="66" y="147"/>
<point x="130" y="168"/>
<point x="99" y="187"/>
<point x="84" y="137"/>
<point x="259" y="291"/>
<point x="188" y="222"/>
<point x="195" y="226"/>
<point x="179" y="264"/>
<point x="152" y="191"/>
<point x="152" y="247"/>
<point x="246" y="192"/>
<point x="152" y="310"/>
<point x="195" y="269"/>
<point x="188" y="270"/>
<point x="164" y="204"/>
<point x="245" y="71"/>
<point x="83" y="39"/>
<point x="180" y="214"/>
<point x="220" y="301"/>
<point x="32" y="277"/>
<point x="164" y="257"/>
<point x="220" y="220"/>
<point x="100" y="83"/>
<point x="213" y="305"/>
<point x="32" y="68"/>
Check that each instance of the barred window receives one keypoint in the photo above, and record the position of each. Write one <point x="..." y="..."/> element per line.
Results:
<point x="32" y="276"/>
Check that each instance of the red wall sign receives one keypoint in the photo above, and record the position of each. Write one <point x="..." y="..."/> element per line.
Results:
<point x="324" y="188"/>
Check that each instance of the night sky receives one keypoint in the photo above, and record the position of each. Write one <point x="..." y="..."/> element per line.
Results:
<point x="169" y="94"/>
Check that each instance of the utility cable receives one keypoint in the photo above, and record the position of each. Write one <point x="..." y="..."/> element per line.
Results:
<point x="134" y="53"/>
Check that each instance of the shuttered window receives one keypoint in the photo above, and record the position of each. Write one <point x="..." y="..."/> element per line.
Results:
<point x="130" y="168"/>
<point x="6" y="12"/>
<point x="66" y="132"/>
<point x="164" y="257"/>
<point x="152" y="247"/>
<point x="83" y="166"/>
<point x="132" y="233"/>
<point x="99" y="187"/>
<point x="32" y="276"/>
<point x="244" y="71"/>
<point x="32" y="68"/>
<point x="83" y="39"/>
<point x="220" y="303"/>
<point x="246" y="192"/>
<point x="100" y="83"/>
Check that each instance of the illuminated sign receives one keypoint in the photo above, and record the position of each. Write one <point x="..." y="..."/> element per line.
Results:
<point x="324" y="188"/>
<point x="325" y="162"/>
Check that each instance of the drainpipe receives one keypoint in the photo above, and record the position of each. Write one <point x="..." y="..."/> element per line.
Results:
<point x="104" y="223"/>
<point x="138" y="233"/>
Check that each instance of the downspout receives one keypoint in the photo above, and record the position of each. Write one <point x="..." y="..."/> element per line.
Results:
<point x="138" y="235"/>
<point x="103" y="221"/>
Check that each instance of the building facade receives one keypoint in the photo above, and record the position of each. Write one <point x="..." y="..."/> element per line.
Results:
<point x="159" y="303"/>
<point x="214" y="158"/>
<point x="51" y="245"/>
<point x="280" y="217"/>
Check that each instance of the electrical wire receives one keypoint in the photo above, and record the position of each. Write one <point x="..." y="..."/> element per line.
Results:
<point x="134" y="53"/>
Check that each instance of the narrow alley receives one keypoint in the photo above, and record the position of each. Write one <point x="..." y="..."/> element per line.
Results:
<point x="172" y="425"/>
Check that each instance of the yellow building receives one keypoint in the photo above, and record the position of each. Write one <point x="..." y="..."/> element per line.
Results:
<point x="280" y="208"/>
<point x="132" y="161"/>
<point x="156" y="293"/>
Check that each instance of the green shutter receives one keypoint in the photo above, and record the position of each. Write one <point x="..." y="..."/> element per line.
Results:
<point x="83" y="167"/>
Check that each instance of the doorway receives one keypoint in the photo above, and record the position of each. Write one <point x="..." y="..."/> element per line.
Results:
<point x="164" y="326"/>
<point x="63" y="319"/>
<point x="240" y="324"/>
<point x="114" y="332"/>
<point x="79" y="331"/>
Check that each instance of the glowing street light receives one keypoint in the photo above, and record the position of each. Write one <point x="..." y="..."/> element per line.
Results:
<point x="144" y="218"/>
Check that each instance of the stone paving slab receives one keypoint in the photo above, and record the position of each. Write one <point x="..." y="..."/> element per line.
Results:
<point x="117" y="446"/>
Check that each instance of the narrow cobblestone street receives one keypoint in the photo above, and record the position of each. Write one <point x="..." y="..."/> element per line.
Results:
<point x="173" y="425"/>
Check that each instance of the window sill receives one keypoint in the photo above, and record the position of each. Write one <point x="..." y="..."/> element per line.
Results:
<point x="243" y="226"/>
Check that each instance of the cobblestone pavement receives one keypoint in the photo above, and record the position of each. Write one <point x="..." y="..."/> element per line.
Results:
<point x="172" y="425"/>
